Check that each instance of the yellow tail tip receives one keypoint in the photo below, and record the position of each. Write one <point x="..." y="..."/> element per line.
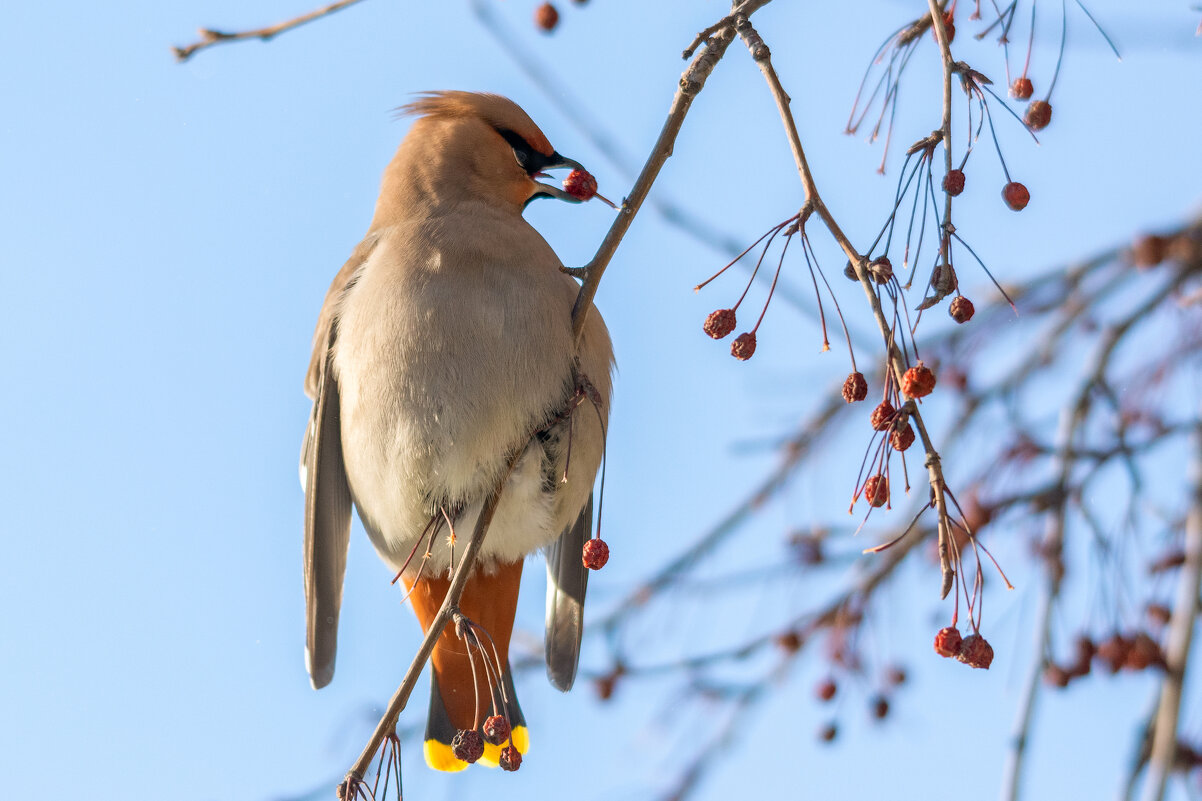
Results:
<point x="439" y="755"/>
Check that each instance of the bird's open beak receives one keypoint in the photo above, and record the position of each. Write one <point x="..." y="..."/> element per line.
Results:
<point x="549" y="190"/>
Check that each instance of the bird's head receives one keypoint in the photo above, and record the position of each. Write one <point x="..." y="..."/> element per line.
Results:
<point x="472" y="147"/>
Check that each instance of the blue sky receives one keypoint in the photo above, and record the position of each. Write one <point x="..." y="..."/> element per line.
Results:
<point x="167" y="233"/>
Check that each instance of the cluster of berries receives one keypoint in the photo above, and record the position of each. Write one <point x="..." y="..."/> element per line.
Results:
<point x="468" y="744"/>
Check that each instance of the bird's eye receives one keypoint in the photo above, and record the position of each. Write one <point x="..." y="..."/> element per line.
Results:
<point x="527" y="157"/>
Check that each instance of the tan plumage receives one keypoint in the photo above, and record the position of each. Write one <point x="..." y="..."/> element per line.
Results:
<point x="444" y="342"/>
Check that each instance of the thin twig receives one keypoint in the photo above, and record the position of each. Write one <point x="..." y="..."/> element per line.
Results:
<point x="210" y="37"/>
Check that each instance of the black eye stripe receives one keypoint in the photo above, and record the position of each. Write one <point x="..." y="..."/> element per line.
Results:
<point x="530" y="159"/>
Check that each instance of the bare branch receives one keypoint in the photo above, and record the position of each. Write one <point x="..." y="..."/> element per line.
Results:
<point x="210" y="37"/>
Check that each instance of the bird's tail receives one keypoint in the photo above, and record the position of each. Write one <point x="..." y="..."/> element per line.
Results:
<point x="470" y="676"/>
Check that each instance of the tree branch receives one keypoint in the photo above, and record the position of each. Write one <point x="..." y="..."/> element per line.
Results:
<point x="210" y="37"/>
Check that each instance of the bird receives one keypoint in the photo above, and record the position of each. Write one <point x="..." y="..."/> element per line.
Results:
<point x="444" y="347"/>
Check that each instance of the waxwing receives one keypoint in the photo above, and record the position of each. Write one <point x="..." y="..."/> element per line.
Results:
<point x="445" y="345"/>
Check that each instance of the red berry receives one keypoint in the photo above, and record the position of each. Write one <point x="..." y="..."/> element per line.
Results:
<point x="918" y="381"/>
<point x="1159" y="614"/>
<point x="511" y="758"/>
<point x="1021" y="89"/>
<point x="880" y="707"/>
<point x="1039" y="114"/>
<point x="1056" y="676"/>
<point x="882" y="416"/>
<point x="876" y="490"/>
<point x="827" y="733"/>
<point x="468" y="745"/>
<point x="902" y="439"/>
<point x="743" y="348"/>
<point x="975" y="651"/>
<point x="546" y="17"/>
<point x="1113" y="652"/>
<point x="826" y="689"/>
<point x="881" y="270"/>
<point x="1149" y="250"/>
<point x="1144" y="653"/>
<point x="961" y="309"/>
<point x="949" y="25"/>
<point x="720" y="323"/>
<point x="947" y="641"/>
<point x="953" y="182"/>
<point x="580" y="184"/>
<point x="1016" y="195"/>
<point x="790" y="642"/>
<point x="855" y="388"/>
<point x="496" y="730"/>
<point x="596" y="554"/>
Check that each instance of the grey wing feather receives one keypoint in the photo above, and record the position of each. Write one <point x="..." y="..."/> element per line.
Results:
<point x="327" y="523"/>
<point x="567" y="581"/>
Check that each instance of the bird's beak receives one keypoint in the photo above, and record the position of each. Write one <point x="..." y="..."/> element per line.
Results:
<point x="556" y="162"/>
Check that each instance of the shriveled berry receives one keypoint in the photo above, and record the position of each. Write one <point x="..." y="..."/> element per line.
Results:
<point x="1144" y="653"/>
<point x="975" y="651"/>
<point x="720" y="323"/>
<point x="880" y="707"/>
<point x="546" y="17"/>
<point x="918" y="381"/>
<point x="496" y="730"/>
<point x="881" y="270"/>
<point x="943" y="278"/>
<point x="743" y="348"/>
<point x="855" y="388"/>
<point x="953" y="182"/>
<point x="1056" y="676"/>
<point x="1112" y="652"/>
<point x="1159" y="614"/>
<point x="596" y="554"/>
<point x="580" y="184"/>
<point x="947" y="641"/>
<point x="828" y="733"/>
<point x="605" y="687"/>
<point x="1085" y="650"/>
<point x="789" y="642"/>
<point x="1039" y="114"/>
<point x="1016" y="195"/>
<point x="896" y="675"/>
<point x="1149" y="250"/>
<point x="882" y="416"/>
<point x="961" y="309"/>
<point x="1021" y="89"/>
<point x="511" y="758"/>
<point x="468" y="745"/>
<point x="826" y="689"/>
<point x="876" y="490"/>
<point x="902" y="438"/>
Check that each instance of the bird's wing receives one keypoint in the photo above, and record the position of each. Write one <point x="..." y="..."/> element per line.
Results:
<point x="567" y="581"/>
<point x="327" y="493"/>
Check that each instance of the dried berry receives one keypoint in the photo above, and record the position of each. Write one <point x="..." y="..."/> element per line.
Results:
<point x="1016" y="195"/>
<point x="947" y="641"/>
<point x="975" y="651"/>
<point x="1021" y="89"/>
<point x="596" y="554"/>
<point x="943" y="279"/>
<point x="918" y="381"/>
<point x="546" y="17"/>
<point x="1112" y="652"/>
<point x="876" y="490"/>
<point x="1149" y="250"/>
<point x="902" y="438"/>
<point x="1039" y="114"/>
<point x="896" y="675"/>
<point x="1159" y="614"/>
<point x="826" y="689"/>
<point x="882" y="416"/>
<point x="720" y="323"/>
<point x="880" y="707"/>
<point x="511" y="758"/>
<point x="827" y="733"/>
<point x="496" y="730"/>
<point x="881" y="270"/>
<point x="790" y="642"/>
<point x="468" y="745"/>
<point x="605" y="686"/>
<point x="953" y="182"/>
<point x="855" y="388"/>
<point x="743" y="348"/>
<point x="580" y="184"/>
<point x="1056" y="676"/>
<point x="1144" y="653"/>
<point x="961" y="309"/>
<point x="1085" y="650"/>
